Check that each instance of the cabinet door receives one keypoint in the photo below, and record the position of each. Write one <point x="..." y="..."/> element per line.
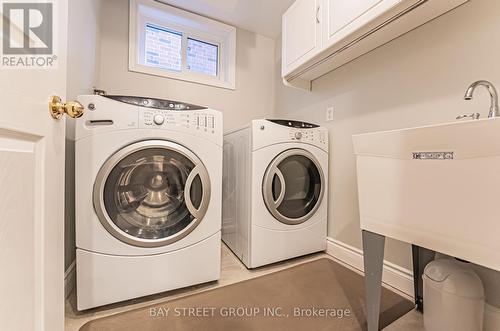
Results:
<point x="301" y="33"/>
<point x="345" y="16"/>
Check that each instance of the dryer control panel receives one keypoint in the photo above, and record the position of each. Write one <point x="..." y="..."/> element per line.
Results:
<point x="268" y="132"/>
<point x="308" y="135"/>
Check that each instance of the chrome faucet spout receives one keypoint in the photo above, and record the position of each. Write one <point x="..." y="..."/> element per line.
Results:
<point x="494" y="109"/>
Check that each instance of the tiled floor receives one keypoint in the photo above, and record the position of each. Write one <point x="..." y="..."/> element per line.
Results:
<point x="232" y="271"/>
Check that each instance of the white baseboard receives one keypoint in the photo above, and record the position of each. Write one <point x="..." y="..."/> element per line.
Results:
<point x="393" y="276"/>
<point x="69" y="279"/>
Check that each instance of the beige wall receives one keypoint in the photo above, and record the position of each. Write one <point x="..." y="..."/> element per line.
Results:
<point x="254" y="94"/>
<point x="417" y="79"/>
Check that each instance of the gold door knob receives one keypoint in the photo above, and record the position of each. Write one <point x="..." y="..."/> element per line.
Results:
<point x="57" y="108"/>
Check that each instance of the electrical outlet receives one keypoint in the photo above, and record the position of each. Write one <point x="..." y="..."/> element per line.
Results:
<point x="329" y="114"/>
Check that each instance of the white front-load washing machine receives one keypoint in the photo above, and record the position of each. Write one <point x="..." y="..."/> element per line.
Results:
<point x="275" y="182"/>
<point x="148" y="197"/>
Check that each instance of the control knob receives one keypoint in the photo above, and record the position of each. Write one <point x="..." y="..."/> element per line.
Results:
<point x="158" y="119"/>
<point x="298" y="135"/>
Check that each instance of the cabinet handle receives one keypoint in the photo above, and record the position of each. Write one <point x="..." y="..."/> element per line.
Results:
<point x="317" y="14"/>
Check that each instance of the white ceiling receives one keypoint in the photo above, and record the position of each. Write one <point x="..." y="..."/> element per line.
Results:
<point x="260" y="16"/>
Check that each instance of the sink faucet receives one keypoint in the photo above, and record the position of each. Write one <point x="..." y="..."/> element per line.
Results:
<point x="494" y="111"/>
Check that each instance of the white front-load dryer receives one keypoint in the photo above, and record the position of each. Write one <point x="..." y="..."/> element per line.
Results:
<point x="148" y="197"/>
<point x="275" y="190"/>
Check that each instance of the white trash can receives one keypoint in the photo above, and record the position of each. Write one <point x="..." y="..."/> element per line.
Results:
<point x="453" y="297"/>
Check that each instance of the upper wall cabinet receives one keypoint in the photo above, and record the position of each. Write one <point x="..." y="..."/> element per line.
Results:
<point x="345" y="15"/>
<point x="322" y="35"/>
<point x="301" y="32"/>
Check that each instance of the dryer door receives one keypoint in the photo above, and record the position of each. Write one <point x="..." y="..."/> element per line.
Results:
<point x="151" y="193"/>
<point x="293" y="186"/>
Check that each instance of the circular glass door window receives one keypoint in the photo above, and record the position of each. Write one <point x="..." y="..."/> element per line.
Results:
<point x="151" y="193"/>
<point x="293" y="186"/>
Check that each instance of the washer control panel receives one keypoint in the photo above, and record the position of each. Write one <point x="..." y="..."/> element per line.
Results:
<point x="200" y="120"/>
<point x="106" y="114"/>
<point x="204" y="121"/>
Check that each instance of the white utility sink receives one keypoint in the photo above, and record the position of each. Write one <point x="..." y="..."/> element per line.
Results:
<point x="436" y="186"/>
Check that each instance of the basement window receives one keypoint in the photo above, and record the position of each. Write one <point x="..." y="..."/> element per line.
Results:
<point x="163" y="48"/>
<point x="169" y="42"/>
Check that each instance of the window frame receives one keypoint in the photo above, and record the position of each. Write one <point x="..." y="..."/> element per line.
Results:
<point x="150" y="12"/>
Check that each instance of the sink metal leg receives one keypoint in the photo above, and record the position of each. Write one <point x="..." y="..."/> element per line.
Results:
<point x="373" y="253"/>
<point x="421" y="257"/>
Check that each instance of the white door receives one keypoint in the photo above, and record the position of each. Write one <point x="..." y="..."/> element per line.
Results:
<point x="32" y="168"/>
<point x="301" y="33"/>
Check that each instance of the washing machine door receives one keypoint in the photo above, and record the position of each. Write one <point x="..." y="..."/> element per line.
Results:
<point x="152" y="193"/>
<point x="293" y="186"/>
